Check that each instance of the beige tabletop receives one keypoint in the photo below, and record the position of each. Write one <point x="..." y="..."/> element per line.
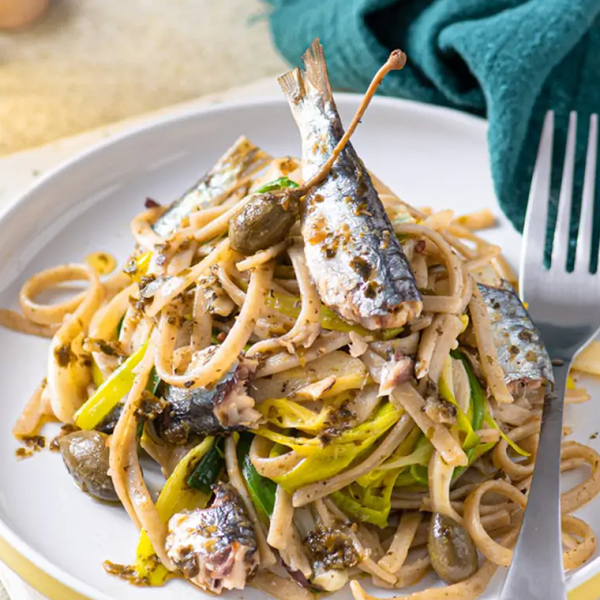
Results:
<point x="92" y="62"/>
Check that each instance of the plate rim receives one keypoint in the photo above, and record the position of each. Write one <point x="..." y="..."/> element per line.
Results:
<point x="39" y="572"/>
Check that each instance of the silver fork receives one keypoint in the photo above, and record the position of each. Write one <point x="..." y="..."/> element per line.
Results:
<point x="566" y="309"/>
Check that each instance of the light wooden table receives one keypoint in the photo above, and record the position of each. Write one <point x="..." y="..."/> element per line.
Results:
<point x="100" y="61"/>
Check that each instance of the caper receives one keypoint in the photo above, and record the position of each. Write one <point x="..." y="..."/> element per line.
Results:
<point x="265" y="221"/>
<point x="85" y="454"/>
<point x="451" y="550"/>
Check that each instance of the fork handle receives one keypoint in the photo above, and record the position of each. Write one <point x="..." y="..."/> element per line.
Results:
<point x="537" y="572"/>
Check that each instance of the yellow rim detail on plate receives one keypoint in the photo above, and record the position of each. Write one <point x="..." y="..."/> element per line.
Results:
<point x="37" y="578"/>
<point x="55" y="590"/>
<point x="588" y="590"/>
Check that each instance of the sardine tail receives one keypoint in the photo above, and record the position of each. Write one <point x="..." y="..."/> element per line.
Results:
<point x="316" y="68"/>
<point x="292" y="84"/>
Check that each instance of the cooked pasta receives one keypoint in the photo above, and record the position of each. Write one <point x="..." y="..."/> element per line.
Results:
<point x="321" y="372"/>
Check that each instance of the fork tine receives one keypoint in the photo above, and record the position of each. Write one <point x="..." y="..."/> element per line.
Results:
<point x="534" y="231"/>
<point x="586" y="219"/>
<point x="560" y="247"/>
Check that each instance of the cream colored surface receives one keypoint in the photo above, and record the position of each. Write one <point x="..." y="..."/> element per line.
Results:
<point x="92" y="62"/>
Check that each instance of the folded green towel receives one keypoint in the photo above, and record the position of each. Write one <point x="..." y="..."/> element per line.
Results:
<point x="509" y="60"/>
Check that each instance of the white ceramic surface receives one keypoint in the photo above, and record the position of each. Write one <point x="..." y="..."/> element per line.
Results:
<point x="429" y="156"/>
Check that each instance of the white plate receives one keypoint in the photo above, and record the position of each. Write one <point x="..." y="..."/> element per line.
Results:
<point x="429" y="156"/>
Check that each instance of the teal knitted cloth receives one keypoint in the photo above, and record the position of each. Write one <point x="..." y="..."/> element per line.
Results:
<point x="508" y="60"/>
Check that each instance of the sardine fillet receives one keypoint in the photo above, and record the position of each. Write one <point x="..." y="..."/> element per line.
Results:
<point x="239" y="162"/>
<point x="521" y="351"/>
<point x="353" y="255"/>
